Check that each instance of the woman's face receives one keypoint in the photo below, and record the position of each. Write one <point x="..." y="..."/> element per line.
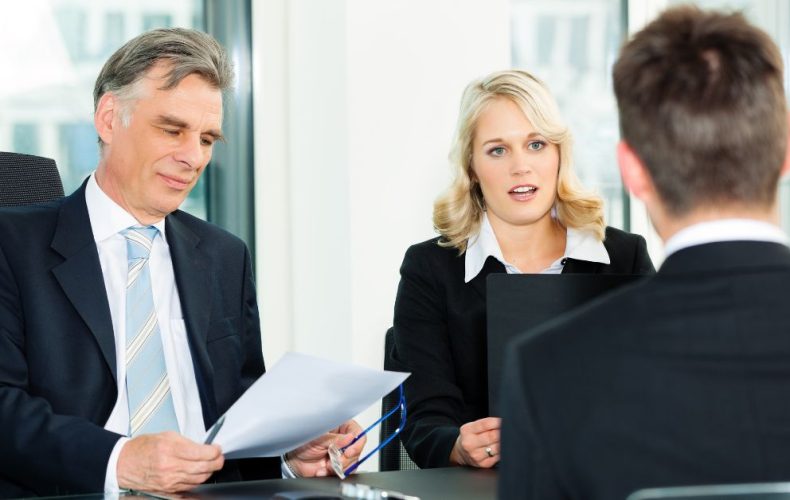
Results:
<point x="515" y="165"/>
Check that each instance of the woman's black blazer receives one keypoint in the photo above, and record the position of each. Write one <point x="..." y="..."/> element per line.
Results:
<point x="440" y="337"/>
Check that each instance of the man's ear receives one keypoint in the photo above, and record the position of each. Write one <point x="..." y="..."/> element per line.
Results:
<point x="104" y="117"/>
<point x="786" y="164"/>
<point x="634" y="173"/>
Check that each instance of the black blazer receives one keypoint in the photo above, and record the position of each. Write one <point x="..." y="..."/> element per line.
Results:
<point x="440" y="337"/>
<point x="57" y="347"/>
<point x="681" y="379"/>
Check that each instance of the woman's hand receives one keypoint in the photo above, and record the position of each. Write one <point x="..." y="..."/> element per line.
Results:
<point x="478" y="444"/>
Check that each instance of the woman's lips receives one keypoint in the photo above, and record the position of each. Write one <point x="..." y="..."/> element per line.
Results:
<point x="524" y="192"/>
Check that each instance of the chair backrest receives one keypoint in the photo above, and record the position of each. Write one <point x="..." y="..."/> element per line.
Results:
<point x="27" y="179"/>
<point x="394" y="455"/>
<point x="754" y="491"/>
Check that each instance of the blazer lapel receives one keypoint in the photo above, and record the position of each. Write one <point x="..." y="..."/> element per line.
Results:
<point x="479" y="282"/>
<point x="573" y="266"/>
<point x="80" y="274"/>
<point x="191" y="267"/>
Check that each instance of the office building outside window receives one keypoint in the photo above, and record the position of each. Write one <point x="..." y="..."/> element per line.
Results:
<point x="571" y="45"/>
<point x="47" y="107"/>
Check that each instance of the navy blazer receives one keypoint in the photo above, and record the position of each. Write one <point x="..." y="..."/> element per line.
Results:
<point x="57" y="347"/>
<point x="680" y="379"/>
<point x="440" y="337"/>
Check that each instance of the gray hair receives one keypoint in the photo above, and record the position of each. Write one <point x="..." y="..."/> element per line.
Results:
<point x="187" y="51"/>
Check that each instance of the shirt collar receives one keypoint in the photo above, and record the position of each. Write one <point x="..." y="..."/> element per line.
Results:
<point x="479" y="248"/>
<point x="724" y="230"/>
<point x="584" y="245"/>
<point x="107" y="217"/>
<point x="579" y="245"/>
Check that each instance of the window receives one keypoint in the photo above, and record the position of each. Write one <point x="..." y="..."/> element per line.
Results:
<point x="48" y="108"/>
<point x="25" y="137"/>
<point x="773" y="16"/>
<point x="151" y="21"/>
<point x="114" y="33"/>
<point x="570" y="45"/>
<point x="72" y="141"/>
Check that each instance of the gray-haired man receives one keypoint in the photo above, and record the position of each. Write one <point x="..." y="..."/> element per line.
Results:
<point x="127" y="327"/>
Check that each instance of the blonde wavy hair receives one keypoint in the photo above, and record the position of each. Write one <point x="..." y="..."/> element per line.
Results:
<point x="457" y="213"/>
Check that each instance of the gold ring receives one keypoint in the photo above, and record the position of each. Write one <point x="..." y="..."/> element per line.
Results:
<point x="489" y="451"/>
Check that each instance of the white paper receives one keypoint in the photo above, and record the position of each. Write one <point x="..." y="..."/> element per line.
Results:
<point x="297" y="400"/>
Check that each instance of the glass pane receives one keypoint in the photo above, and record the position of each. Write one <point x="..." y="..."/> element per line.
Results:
<point x="571" y="45"/>
<point x="47" y="108"/>
<point x="773" y="16"/>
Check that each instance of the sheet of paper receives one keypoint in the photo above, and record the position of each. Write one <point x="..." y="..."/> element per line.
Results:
<point x="298" y="399"/>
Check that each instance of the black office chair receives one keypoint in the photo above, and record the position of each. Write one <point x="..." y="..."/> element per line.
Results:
<point x="27" y="179"/>
<point x="754" y="491"/>
<point x="394" y="455"/>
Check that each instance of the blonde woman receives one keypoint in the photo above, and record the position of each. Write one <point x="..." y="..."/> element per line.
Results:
<point x="515" y="206"/>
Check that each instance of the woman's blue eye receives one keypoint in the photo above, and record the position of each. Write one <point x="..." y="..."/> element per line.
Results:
<point x="536" y="145"/>
<point x="497" y="151"/>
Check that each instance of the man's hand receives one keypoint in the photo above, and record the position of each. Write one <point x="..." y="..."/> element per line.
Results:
<point x="478" y="443"/>
<point x="311" y="459"/>
<point x="166" y="462"/>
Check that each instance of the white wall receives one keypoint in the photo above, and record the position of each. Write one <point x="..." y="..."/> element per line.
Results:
<point x="356" y="102"/>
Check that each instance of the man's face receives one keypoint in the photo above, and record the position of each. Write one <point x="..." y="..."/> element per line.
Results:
<point x="150" y="166"/>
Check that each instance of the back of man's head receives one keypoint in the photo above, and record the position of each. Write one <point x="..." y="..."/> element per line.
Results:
<point x="702" y="105"/>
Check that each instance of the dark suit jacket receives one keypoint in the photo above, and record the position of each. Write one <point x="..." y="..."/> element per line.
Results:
<point x="440" y="337"/>
<point x="57" y="347"/>
<point x="681" y="379"/>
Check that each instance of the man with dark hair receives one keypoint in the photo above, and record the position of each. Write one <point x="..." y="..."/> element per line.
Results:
<point x="127" y="327"/>
<point x="683" y="378"/>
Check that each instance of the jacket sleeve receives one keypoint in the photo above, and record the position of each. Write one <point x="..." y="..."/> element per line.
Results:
<point x="40" y="450"/>
<point x="422" y="347"/>
<point x="642" y="263"/>
<point x="267" y="467"/>
<point x="628" y="253"/>
<point x="252" y="368"/>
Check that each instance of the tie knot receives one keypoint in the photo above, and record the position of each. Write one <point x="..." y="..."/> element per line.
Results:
<point x="138" y="241"/>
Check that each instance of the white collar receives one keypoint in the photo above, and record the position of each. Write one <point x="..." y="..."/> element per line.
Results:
<point x="107" y="217"/>
<point x="579" y="245"/>
<point x="724" y="230"/>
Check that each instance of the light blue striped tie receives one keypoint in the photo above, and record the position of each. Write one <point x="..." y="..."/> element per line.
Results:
<point x="150" y="402"/>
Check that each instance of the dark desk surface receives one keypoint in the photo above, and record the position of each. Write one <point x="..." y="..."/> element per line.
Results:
<point x="454" y="482"/>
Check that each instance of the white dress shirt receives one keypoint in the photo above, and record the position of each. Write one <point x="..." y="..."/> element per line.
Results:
<point x="107" y="221"/>
<point x="724" y="230"/>
<point x="579" y="245"/>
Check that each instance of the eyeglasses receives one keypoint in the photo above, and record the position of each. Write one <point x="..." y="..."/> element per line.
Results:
<point x="336" y="454"/>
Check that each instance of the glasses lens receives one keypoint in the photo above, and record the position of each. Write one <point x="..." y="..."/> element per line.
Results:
<point x="336" y="459"/>
<point x="336" y="454"/>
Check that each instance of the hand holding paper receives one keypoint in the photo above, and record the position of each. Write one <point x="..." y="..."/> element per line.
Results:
<point x="311" y="459"/>
<point x="297" y="400"/>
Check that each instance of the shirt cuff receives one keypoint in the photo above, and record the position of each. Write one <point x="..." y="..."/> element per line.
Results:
<point x="111" y="476"/>
<point x="286" y="470"/>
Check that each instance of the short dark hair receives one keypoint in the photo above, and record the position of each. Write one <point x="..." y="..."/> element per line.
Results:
<point x="701" y="102"/>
